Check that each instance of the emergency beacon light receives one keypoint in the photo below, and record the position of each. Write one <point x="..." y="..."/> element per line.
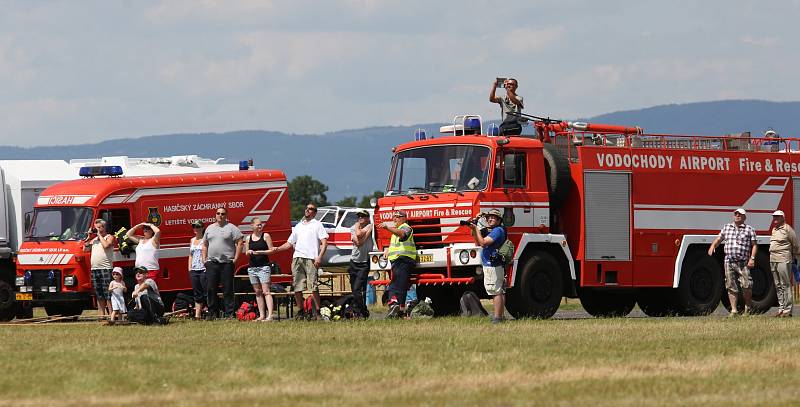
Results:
<point x="102" y="170"/>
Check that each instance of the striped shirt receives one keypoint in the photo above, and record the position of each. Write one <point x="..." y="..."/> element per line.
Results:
<point x="738" y="240"/>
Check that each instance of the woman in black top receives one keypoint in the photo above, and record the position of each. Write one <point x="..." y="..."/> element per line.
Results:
<point x="256" y="246"/>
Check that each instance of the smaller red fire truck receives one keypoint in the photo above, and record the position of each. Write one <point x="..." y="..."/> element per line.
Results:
<point x="606" y="213"/>
<point x="54" y="271"/>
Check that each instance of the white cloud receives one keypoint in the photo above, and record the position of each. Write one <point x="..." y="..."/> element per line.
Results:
<point x="170" y="11"/>
<point x="525" y="40"/>
<point x="761" y="42"/>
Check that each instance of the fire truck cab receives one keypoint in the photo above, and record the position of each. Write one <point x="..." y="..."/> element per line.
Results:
<point x="53" y="270"/>
<point x="606" y="213"/>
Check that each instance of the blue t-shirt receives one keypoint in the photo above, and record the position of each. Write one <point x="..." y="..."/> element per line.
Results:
<point x="498" y="235"/>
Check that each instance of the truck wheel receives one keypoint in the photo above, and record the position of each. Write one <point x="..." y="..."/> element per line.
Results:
<point x="539" y="288"/>
<point x="7" y="299"/>
<point x="445" y="299"/>
<point x="701" y="286"/>
<point x="65" y="309"/>
<point x="557" y="174"/>
<point x="764" y="295"/>
<point x="657" y="302"/>
<point x="607" y="302"/>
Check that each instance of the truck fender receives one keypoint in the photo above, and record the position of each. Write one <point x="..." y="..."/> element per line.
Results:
<point x="550" y="239"/>
<point x="702" y="240"/>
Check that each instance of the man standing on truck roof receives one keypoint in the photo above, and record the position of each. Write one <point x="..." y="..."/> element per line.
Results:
<point x="310" y="240"/>
<point x="741" y="246"/>
<point x="494" y="274"/>
<point x="361" y="236"/>
<point x="402" y="252"/>
<point x="102" y="248"/>
<point x="510" y="103"/>
<point x="783" y="246"/>
<point x="222" y="244"/>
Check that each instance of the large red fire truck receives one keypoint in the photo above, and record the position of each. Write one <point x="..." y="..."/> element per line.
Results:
<point x="53" y="269"/>
<point x="606" y="213"/>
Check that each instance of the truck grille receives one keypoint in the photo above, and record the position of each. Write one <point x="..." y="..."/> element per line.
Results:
<point x="427" y="233"/>
<point x="40" y="278"/>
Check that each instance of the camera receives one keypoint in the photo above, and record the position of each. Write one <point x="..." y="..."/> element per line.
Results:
<point x="473" y="221"/>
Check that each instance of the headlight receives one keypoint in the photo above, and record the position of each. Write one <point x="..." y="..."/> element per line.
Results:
<point x="23" y="289"/>
<point x="70" y="281"/>
<point x="463" y="256"/>
<point x="19" y="281"/>
<point x="478" y="270"/>
<point x="383" y="262"/>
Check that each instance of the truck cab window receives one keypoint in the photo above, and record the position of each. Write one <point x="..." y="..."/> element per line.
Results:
<point x="511" y="170"/>
<point x="349" y="219"/>
<point x="116" y="218"/>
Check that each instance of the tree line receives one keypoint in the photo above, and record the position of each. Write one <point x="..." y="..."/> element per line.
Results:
<point x="304" y="189"/>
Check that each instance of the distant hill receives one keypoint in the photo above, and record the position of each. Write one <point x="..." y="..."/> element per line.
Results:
<point x="356" y="162"/>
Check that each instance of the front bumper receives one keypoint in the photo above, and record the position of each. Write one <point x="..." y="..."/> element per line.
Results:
<point x="447" y="257"/>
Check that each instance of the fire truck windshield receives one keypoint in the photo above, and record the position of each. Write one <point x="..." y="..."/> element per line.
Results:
<point x="442" y="168"/>
<point x="60" y="223"/>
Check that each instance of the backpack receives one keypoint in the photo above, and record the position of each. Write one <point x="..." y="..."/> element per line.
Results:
<point x="183" y="302"/>
<point x="421" y="309"/>
<point x="137" y="315"/>
<point x="506" y="251"/>
<point x="246" y="312"/>
<point x="471" y="306"/>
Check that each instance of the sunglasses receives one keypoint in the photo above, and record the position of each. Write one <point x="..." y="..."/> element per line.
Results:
<point x="222" y="213"/>
<point x="311" y="209"/>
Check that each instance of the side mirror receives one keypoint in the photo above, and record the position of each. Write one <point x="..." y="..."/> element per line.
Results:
<point x="28" y="221"/>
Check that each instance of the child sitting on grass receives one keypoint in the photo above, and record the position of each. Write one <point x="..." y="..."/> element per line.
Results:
<point x="117" y="288"/>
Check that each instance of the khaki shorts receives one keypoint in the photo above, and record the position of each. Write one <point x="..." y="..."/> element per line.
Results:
<point x="737" y="272"/>
<point x="304" y="274"/>
<point x="494" y="280"/>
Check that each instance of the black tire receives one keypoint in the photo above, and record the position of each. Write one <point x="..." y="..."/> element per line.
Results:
<point x="538" y="289"/>
<point x="764" y="294"/>
<point x="65" y="309"/>
<point x="605" y="303"/>
<point x="701" y="285"/>
<point x="445" y="299"/>
<point x="657" y="302"/>
<point x="557" y="174"/>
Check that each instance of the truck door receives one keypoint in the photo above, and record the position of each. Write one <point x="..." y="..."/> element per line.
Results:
<point x="512" y="179"/>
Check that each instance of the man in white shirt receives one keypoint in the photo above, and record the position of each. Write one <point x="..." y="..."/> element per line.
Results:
<point x="309" y="240"/>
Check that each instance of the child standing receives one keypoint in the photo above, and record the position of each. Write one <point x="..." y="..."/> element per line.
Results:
<point x="117" y="288"/>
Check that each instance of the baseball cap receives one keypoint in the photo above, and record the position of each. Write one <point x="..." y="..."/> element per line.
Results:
<point x="770" y="133"/>
<point x="740" y="210"/>
<point x="117" y="270"/>
<point x="141" y="269"/>
<point x="362" y="213"/>
<point x="400" y="213"/>
<point x="197" y="224"/>
<point x="495" y="212"/>
<point x="778" y="213"/>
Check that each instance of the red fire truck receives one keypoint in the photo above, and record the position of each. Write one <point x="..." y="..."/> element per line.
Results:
<point x="606" y="213"/>
<point x="53" y="269"/>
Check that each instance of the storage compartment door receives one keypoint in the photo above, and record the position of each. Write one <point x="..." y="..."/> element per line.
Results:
<point x="608" y="215"/>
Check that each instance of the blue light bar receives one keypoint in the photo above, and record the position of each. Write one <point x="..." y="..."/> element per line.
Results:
<point x="104" y="170"/>
<point x="244" y="165"/>
<point x="472" y="125"/>
<point x="419" y="134"/>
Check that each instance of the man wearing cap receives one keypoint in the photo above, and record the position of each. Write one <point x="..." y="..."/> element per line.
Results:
<point x="740" y="256"/>
<point x="402" y="252"/>
<point x="493" y="265"/>
<point x="783" y="246"/>
<point x="361" y="236"/>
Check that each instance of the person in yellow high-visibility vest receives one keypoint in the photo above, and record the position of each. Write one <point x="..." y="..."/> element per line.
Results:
<point x="402" y="252"/>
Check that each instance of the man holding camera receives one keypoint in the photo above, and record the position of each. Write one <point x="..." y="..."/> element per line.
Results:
<point x="402" y="252"/>
<point x="102" y="248"/>
<point x="493" y="265"/>
<point x="510" y="103"/>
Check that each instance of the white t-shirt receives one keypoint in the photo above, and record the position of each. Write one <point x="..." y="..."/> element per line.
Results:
<point x="305" y="238"/>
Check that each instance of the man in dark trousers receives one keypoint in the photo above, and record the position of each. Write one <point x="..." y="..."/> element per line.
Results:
<point x="402" y="252"/>
<point x="222" y="244"/>
<point x="361" y="236"/>
<point x="509" y="103"/>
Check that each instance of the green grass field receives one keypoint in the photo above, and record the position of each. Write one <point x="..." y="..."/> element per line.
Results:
<point x="448" y="361"/>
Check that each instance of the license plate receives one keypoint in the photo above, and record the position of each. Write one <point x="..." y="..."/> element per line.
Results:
<point x="24" y="297"/>
<point x="426" y="258"/>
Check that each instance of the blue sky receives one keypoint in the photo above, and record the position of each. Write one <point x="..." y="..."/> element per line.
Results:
<point x="88" y="71"/>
